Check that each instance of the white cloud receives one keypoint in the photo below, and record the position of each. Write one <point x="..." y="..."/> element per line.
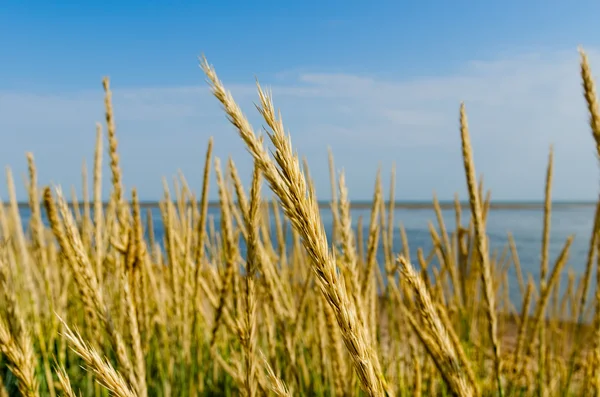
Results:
<point x="516" y="106"/>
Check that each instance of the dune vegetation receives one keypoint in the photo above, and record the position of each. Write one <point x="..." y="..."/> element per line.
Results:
<point x="264" y="303"/>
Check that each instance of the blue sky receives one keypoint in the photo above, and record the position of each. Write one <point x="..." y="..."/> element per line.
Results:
<point x="379" y="83"/>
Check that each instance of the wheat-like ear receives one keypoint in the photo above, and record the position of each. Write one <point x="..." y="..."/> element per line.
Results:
<point x="65" y="382"/>
<point x="277" y="386"/>
<point x="17" y="348"/>
<point x="589" y="91"/>
<point x="453" y="366"/>
<point x="287" y="180"/>
<point x="248" y="330"/>
<point x="98" y="216"/>
<point x="105" y="373"/>
<point x="117" y="177"/>
<point x="19" y="354"/>
<point x="481" y="246"/>
<point x="16" y="344"/>
<point x="86" y="277"/>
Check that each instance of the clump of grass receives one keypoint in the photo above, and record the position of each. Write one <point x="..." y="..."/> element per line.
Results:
<point x="266" y="303"/>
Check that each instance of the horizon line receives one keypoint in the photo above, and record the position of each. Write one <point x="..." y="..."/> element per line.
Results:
<point x="398" y="204"/>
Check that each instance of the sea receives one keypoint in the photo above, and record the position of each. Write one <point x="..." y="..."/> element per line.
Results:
<point x="523" y="220"/>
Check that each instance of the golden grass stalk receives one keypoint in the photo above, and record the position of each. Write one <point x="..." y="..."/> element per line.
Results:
<point x="589" y="93"/>
<point x="289" y="184"/>
<point x="374" y="231"/>
<point x="37" y="228"/>
<point x="248" y="331"/>
<point x="199" y="253"/>
<point x="335" y="212"/>
<point x="21" y="360"/>
<point x="276" y="384"/>
<point x="390" y="220"/>
<point x="40" y="254"/>
<point x="335" y="350"/>
<point x="516" y="263"/>
<point x="15" y="342"/>
<point x="106" y="375"/>
<point x="25" y="267"/>
<point x="98" y="205"/>
<point x="350" y="259"/>
<point x="89" y="284"/>
<point x="544" y="264"/>
<point x="228" y="248"/>
<point x="522" y="331"/>
<point x="134" y="329"/>
<point x="435" y="336"/>
<point x="539" y="316"/>
<point x="87" y="210"/>
<point x="65" y="382"/>
<point x="61" y="237"/>
<point x="115" y="168"/>
<point x="481" y="244"/>
<point x="141" y="271"/>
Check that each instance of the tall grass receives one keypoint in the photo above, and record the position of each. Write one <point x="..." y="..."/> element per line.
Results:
<point x="92" y="304"/>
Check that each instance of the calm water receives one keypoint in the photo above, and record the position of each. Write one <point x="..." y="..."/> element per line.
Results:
<point x="524" y="224"/>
